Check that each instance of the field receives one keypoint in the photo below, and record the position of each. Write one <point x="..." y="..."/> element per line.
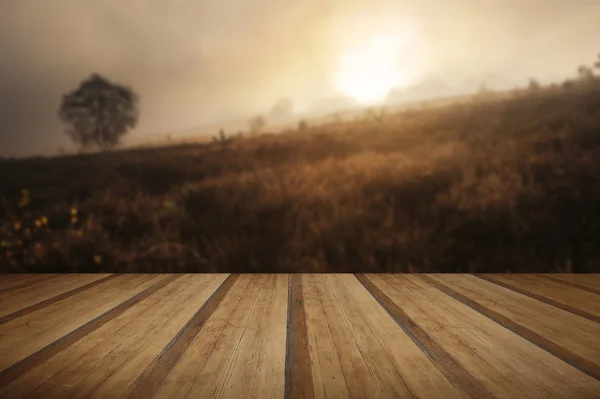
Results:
<point x="505" y="183"/>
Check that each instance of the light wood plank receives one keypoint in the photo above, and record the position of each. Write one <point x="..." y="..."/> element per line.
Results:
<point x="587" y="282"/>
<point x="244" y="367"/>
<point x="591" y="280"/>
<point x="212" y="378"/>
<point x="180" y="380"/>
<point x="63" y="339"/>
<point x="66" y="372"/>
<point x="400" y="367"/>
<point x="328" y="377"/>
<point x="585" y="304"/>
<point x="269" y="379"/>
<point x="571" y="332"/>
<point x="356" y="372"/>
<point x="126" y="324"/>
<point x="11" y="282"/>
<point x="23" y="336"/>
<point x="203" y="364"/>
<point x="19" y="299"/>
<point x="146" y="342"/>
<point x="507" y="364"/>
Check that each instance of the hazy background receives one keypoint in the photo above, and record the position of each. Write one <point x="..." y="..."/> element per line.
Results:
<point x="197" y="62"/>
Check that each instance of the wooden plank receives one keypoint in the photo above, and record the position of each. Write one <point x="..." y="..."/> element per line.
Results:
<point x="250" y="375"/>
<point x="298" y="374"/>
<point x="155" y="373"/>
<point x="591" y="280"/>
<point x="569" y="337"/>
<point x="209" y="380"/>
<point x="355" y="370"/>
<point x="179" y="382"/>
<point x="509" y="364"/>
<point x="386" y="377"/>
<point x="131" y="321"/>
<point x="389" y="298"/>
<point x="327" y="374"/>
<point x="119" y="384"/>
<point x="20" y="304"/>
<point x="399" y="367"/>
<point x="140" y="336"/>
<point x="89" y="371"/>
<point x="269" y="381"/>
<point x="29" y="343"/>
<point x="12" y="279"/>
<point x="581" y="303"/>
<point x="24" y="336"/>
<point x="586" y="282"/>
<point x="22" y="281"/>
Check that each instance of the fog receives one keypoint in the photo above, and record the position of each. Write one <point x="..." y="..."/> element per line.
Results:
<point x="202" y="62"/>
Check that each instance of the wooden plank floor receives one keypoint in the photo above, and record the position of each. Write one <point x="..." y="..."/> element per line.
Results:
<point x="299" y="336"/>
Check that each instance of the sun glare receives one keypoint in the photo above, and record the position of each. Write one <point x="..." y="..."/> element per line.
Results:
<point x="368" y="72"/>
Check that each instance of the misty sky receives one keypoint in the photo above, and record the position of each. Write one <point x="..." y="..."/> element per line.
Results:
<point x="199" y="61"/>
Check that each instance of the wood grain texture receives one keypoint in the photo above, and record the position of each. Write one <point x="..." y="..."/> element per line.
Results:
<point x="155" y="373"/>
<point x="586" y="285"/>
<point x="570" y="337"/>
<point x="522" y="350"/>
<point x="13" y="282"/>
<point x="296" y="336"/>
<point x="590" y="280"/>
<point x="443" y="360"/>
<point x="581" y="303"/>
<point x="298" y="374"/>
<point x="398" y="366"/>
<point x="16" y="304"/>
<point x="42" y="346"/>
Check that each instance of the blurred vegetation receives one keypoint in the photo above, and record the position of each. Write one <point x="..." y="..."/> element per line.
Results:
<point x="505" y="182"/>
<point x="99" y="112"/>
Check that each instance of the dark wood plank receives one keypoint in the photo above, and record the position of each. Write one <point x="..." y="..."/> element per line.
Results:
<point x="155" y="373"/>
<point x="55" y="299"/>
<point x="567" y="356"/>
<point x="34" y="360"/>
<point x="541" y="298"/>
<point x="450" y="367"/>
<point x="298" y="373"/>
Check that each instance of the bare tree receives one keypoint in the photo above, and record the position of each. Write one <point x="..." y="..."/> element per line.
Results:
<point x="99" y="112"/>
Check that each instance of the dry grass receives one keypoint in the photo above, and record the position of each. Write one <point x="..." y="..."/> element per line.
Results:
<point x="505" y="184"/>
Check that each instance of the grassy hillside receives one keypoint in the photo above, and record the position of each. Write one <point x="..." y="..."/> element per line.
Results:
<point x="506" y="184"/>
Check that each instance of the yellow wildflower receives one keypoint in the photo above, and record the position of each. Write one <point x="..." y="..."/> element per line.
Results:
<point x="73" y="219"/>
<point x="73" y="211"/>
<point x="17" y="226"/>
<point x="38" y="223"/>
<point x="98" y="259"/>
<point x="44" y="220"/>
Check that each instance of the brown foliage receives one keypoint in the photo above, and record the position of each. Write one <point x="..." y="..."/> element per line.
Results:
<point x="510" y="184"/>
